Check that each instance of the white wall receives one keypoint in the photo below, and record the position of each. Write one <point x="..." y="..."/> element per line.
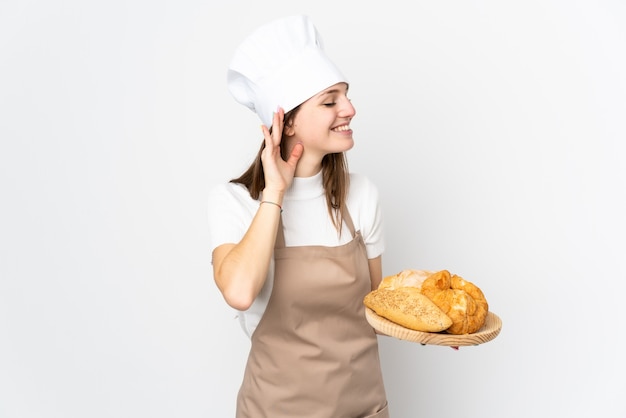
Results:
<point x="494" y="130"/>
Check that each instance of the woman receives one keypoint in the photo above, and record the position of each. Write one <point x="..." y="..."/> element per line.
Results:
<point x="297" y="239"/>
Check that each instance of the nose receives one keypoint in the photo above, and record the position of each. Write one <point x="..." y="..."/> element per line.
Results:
<point x="347" y="110"/>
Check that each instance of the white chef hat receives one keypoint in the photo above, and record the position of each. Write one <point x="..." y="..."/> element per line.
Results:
<point x="283" y="64"/>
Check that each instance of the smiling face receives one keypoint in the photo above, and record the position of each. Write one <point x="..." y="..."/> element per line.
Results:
<point x="322" y="125"/>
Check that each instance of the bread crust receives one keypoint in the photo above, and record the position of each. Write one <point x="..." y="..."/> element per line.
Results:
<point x="405" y="278"/>
<point x="408" y="307"/>
<point x="460" y="299"/>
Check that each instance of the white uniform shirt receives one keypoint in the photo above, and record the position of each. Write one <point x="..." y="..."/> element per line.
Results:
<point x="305" y="220"/>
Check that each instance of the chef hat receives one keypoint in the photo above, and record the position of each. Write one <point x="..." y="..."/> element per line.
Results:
<point x="280" y="64"/>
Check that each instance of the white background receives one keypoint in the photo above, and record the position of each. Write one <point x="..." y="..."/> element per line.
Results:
<point x="495" y="131"/>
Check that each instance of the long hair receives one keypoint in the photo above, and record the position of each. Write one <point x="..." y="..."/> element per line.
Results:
<point x="335" y="176"/>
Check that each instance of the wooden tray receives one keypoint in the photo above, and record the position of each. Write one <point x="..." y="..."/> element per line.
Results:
<point x="489" y="331"/>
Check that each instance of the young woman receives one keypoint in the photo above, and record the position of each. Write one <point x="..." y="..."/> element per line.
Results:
<point x="297" y="239"/>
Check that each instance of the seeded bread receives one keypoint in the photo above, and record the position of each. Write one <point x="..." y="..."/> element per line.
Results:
<point x="408" y="307"/>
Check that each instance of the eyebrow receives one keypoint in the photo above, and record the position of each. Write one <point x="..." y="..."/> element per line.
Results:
<point x="333" y="91"/>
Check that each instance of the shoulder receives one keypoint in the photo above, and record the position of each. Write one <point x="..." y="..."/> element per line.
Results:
<point x="363" y="198"/>
<point x="230" y="211"/>
<point x="233" y="193"/>
<point x="231" y="202"/>
<point x="225" y="189"/>
<point x="361" y="187"/>
<point x="365" y="210"/>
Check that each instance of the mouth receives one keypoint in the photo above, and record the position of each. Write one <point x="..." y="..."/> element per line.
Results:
<point x="341" y="128"/>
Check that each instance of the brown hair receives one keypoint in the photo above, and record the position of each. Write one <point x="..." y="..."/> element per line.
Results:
<point x="335" y="176"/>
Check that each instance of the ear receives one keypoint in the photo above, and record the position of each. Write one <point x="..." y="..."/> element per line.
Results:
<point x="288" y="130"/>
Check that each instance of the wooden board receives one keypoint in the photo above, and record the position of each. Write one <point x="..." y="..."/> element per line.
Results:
<point x="489" y="331"/>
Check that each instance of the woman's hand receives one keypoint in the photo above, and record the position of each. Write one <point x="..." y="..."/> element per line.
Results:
<point x="278" y="172"/>
<point x="240" y="269"/>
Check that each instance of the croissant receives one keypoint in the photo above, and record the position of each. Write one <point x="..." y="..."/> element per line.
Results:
<point x="460" y="299"/>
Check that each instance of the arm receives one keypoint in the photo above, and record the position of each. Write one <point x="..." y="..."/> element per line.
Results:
<point x="376" y="276"/>
<point x="376" y="271"/>
<point x="240" y="268"/>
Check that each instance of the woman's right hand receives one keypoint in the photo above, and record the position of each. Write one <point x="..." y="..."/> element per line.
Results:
<point x="240" y="269"/>
<point x="278" y="172"/>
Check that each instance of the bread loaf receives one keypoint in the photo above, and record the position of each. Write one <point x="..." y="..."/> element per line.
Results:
<point x="405" y="278"/>
<point x="408" y="307"/>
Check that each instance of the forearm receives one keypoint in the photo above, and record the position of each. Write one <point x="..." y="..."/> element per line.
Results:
<point x="240" y="269"/>
<point x="376" y="276"/>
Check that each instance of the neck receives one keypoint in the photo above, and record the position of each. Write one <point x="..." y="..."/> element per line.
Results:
<point x="306" y="168"/>
<point x="309" y="164"/>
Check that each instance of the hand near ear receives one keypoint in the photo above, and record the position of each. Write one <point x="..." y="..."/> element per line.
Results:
<point x="278" y="172"/>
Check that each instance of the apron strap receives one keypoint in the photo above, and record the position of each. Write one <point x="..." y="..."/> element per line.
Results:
<point x="345" y="216"/>
<point x="280" y="234"/>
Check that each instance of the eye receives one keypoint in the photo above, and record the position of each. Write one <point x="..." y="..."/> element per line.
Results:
<point x="329" y="104"/>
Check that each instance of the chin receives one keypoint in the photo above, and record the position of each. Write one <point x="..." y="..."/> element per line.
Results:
<point x="344" y="144"/>
<point x="349" y="145"/>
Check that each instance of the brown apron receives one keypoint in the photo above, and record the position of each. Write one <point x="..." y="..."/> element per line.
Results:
<point x="313" y="353"/>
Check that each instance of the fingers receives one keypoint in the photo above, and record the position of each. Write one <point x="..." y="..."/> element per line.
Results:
<point x="454" y="347"/>
<point x="277" y="125"/>
<point x="266" y="136"/>
<point x="273" y="137"/>
<point x="296" y="153"/>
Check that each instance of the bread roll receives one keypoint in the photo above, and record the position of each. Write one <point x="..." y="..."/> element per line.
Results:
<point x="405" y="278"/>
<point x="408" y="307"/>
<point x="461" y="300"/>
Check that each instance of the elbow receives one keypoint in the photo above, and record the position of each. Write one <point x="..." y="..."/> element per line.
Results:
<point x="239" y="287"/>
<point x="239" y="300"/>
<point x="238" y="296"/>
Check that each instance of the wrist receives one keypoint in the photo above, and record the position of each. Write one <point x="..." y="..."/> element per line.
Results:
<point x="269" y="202"/>
<point x="272" y="196"/>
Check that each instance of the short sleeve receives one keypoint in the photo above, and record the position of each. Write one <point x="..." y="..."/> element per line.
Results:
<point x="365" y="209"/>
<point x="230" y="212"/>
